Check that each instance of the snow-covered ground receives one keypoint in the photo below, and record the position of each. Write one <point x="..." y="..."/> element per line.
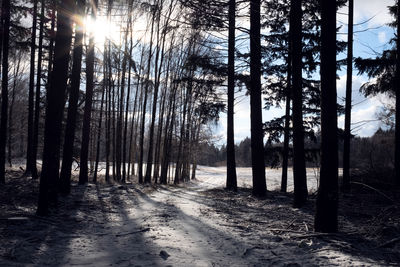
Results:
<point x="194" y="224"/>
<point x="216" y="177"/>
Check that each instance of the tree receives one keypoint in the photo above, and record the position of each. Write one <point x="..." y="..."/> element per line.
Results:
<point x="299" y="165"/>
<point x="38" y="87"/>
<point x="30" y="165"/>
<point x="54" y="109"/>
<point x="349" y="81"/>
<point x="231" y="180"/>
<point x="83" y="172"/>
<point x="326" y="217"/>
<point x="397" y="89"/>
<point x="5" y="18"/>
<point x="257" y="133"/>
<point x="65" y="175"/>
<point x="384" y="70"/>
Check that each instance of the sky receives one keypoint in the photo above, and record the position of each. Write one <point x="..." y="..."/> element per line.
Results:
<point x="372" y="35"/>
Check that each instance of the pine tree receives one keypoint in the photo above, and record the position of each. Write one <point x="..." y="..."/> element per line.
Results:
<point x="326" y="217"/>
<point x="257" y="133"/>
<point x="48" y="189"/>
<point x="5" y="26"/>
<point x="349" y="81"/>
<point x="231" y="180"/>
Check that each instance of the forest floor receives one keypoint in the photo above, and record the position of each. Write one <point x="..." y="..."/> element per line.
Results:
<point x="196" y="224"/>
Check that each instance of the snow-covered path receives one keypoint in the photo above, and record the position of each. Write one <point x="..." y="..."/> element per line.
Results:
<point x="191" y="225"/>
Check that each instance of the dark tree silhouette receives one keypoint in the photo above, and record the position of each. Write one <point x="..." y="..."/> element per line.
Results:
<point x="397" y="89"/>
<point x="68" y="148"/>
<point x="349" y="88"/>
<point x="257" y="133"/>
<point x="87" y="114"/>
<point x="231" y="179"/>
<point x="38" y="87"/>
<point x="55" y="106"/>
<point x="299" y="165"/>
<point x="326" y="217"/>
<point x="30" y="165"/>
<point x="5" y="19"/>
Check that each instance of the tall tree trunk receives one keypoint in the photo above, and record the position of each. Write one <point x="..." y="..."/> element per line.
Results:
<point x="96" y="167"/>
<point x="326" y="217"/>
<point x="51" y="43"/>
<point x="30" y="166"/>
<point x="299" y="165"/>
<point x="83" y="173"/>
<point x="160" y="50"/>
<point x="286" y="138"/>
<point x="142" y="128"/>
<point x="349" y="88"/>
<point x="257" y="133"/>
<point x="121" y="110"/>
<point x="125" y="173"/>
<point x="5" y="8"/>
<point x="68" y="149"/>
<point x="38" y="87"/>
<point x="55" y="106"/>
<point x="17" y="67"/>
<point x="231" y="179"/>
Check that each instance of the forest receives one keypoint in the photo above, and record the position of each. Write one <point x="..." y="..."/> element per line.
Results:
<point x="108" y="146"/>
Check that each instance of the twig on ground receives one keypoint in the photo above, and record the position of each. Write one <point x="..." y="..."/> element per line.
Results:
<point x="376" y="190"/>
<point x="390" y="242"/>
<point x="134" y="232"/>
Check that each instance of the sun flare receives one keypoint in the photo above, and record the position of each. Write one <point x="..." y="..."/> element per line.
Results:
<point x="102" y="29"/>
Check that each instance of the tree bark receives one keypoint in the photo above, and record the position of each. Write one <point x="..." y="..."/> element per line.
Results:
<point x="54" y="109"/>
<point x="65" y="176"/>
<point x="299" y="165"/>
<point x="231" y="179"/>
<point x="30" y="166"/>
<point x="83" y="173"/>
<point x="38" y="87"/>
<point x="326" y="217"/>
<point x="257" y="133"/>
<point x="349" y="88"/>
<point x="5" y="15"/>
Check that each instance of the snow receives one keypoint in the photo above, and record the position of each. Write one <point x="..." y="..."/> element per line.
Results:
<point x="196" y="224"/>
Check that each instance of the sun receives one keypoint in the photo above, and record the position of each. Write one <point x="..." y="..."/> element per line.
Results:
<point x="102" y="29"/>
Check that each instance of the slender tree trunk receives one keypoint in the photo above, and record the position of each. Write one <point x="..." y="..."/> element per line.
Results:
<point x="299" y="165"/>
<point x="257" y="133"/>
<point x="286" y="138"/>
<point x="121" y="111"/>
<point x="51" y="44"/>
<point x="231" y="180"/>
<point x="54" y="109"/>
<point x="5" y="8"/>
<point x="349" y="88"/>
<point x="83" y="173"/>
<point x="160" y="50"/>
<point x="17" y="67"/>
<point x="326" y="218"/>
<point x="29" y="155"/>
<point x="96" y="167"/>
<point x="125" y="174"/>
<point x="38" y="87"/>
<point x="68" y="149"/>
<point x="142" y="128"/>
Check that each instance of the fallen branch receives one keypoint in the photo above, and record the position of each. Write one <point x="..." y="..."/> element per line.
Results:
<point x="376" y="190"/>
<point x="389" y="243"/>
<point x="134" y="232"/>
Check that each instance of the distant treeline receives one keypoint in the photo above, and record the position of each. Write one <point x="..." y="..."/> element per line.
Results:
<point x="374" y="154"/>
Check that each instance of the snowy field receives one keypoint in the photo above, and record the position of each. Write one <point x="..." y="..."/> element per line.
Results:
<point x="216" y="177"/>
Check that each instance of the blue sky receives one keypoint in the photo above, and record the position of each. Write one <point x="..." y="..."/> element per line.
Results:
<point x="370" y="37"/>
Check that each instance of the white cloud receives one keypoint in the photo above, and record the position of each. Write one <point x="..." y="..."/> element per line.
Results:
<point x="366" y="9"/>
<point x="382" y="37"/>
